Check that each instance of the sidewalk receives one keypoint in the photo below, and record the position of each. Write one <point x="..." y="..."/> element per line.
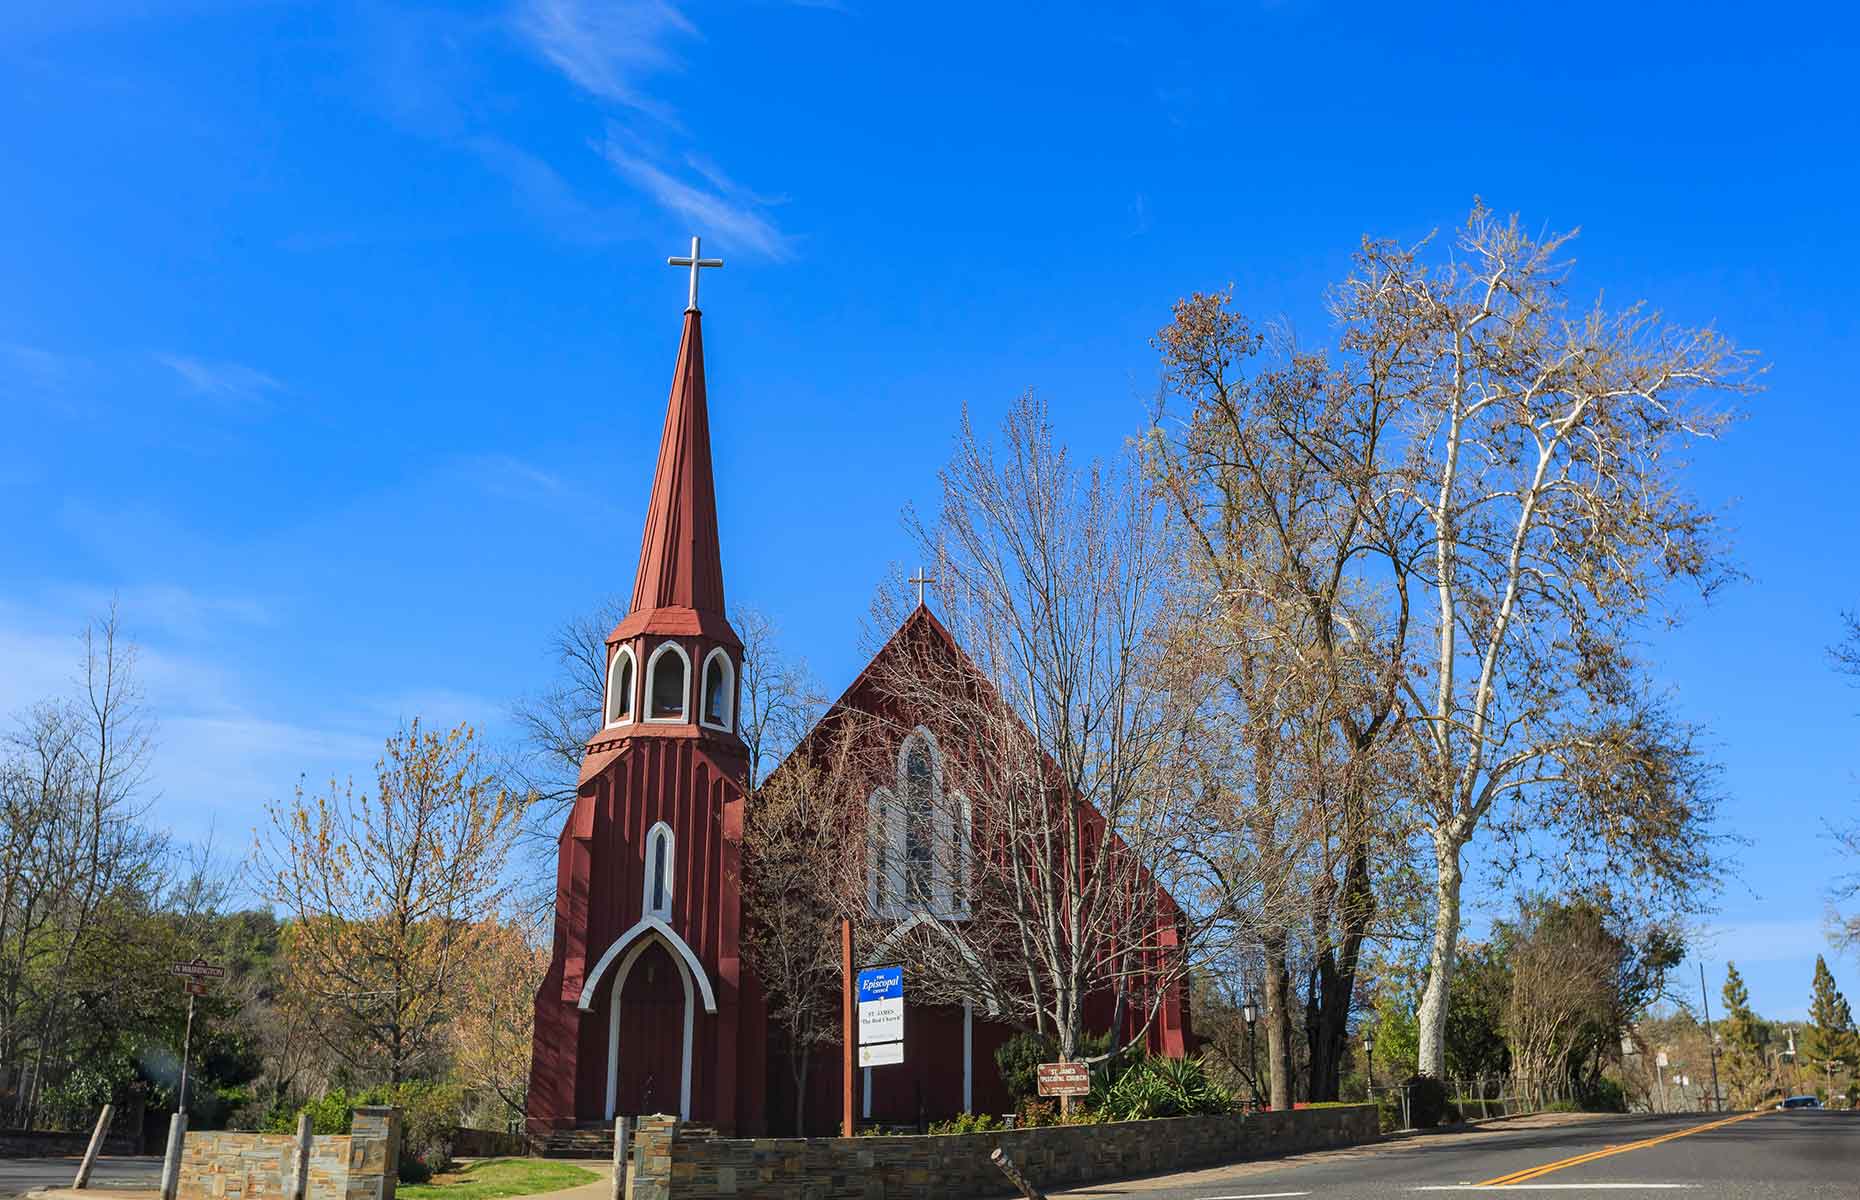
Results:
<point x="595" y="1189"/>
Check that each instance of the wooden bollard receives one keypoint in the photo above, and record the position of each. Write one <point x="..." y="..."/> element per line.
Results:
<point x="620" y="1149"/>
<point x="1000" y="1159"/>
<point x="91" y="1151"/>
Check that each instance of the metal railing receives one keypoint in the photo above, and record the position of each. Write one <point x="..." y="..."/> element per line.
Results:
<point x="1477" y="1099"/>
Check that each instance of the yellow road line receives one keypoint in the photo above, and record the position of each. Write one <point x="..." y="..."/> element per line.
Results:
<point x="1607" y="1151"/>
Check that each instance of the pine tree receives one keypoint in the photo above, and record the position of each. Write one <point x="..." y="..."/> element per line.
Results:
<point x="1830" y="1038"/>
<point x="1745" y="1065"/>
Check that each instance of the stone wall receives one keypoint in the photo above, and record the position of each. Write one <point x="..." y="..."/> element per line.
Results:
<point x="362" y="1164"/>
<point x="488" y="1143"/>
<point x="672" y="1163"/>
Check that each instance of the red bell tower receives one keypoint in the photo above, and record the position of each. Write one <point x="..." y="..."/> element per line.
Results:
<point x="647" y="1006"/>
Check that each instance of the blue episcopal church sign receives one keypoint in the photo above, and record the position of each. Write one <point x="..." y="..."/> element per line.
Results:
<point x="881" y="1016"/>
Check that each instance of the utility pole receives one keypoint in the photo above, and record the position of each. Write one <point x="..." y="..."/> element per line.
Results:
<point x="1711" y="1047"/>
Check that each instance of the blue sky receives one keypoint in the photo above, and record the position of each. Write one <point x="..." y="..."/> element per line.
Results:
<point x="334" y="338"/>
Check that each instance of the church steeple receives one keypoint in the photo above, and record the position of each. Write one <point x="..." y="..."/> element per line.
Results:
<point x="673" y="662"/>
<point x="680" y="561"/>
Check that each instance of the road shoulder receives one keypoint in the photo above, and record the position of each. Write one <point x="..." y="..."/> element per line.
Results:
<point x="1218" y="1176"/>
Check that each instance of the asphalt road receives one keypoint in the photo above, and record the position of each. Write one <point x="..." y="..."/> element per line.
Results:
<point x="1798" y="1155"/>
<point x="20" y="1175"/>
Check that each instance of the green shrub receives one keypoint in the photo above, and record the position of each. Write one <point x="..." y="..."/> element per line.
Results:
<point x="429" y="1113"/>
<point x="1606" y="1095"/>
<point x="967" y="1123"/>
<point x="1019" y="1058"/>
<point x="1159" y="1087"/>
<point x="1427" y="1100"/>
<point x="1034" y="1113"/>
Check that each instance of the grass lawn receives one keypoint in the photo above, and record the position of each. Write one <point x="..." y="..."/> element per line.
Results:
<point x="494" y="1177"/>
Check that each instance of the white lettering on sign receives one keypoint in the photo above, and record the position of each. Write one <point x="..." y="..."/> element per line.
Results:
<point x="881" y="1021"/>
<point x="885" y="1054"/>
<point x="1065" y="1079"/>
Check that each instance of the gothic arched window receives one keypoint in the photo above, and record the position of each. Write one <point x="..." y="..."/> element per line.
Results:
<point x="918" y="839"/>
<point x="919" y="801"/>
<point x="620" y="687"/>
<point x="657" y="900"/>
<point x="719" y="691"/>
<point x="668" y="683"/>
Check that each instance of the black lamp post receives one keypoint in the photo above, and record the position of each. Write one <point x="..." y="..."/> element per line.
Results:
<point x="1369" y="1054"/>
<point x="1250" y="1011"/>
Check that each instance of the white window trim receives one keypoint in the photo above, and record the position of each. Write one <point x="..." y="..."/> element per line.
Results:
<point x="660" y="832"/>
<point x="951" y="844"/>
<point x="729" y="691"/>
<point x="613" y="670"/>
<point x="652" y="666"/>
<point x="879" y="810"/>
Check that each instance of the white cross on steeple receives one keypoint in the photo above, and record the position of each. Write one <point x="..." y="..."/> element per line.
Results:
<point x="694" y="262"/>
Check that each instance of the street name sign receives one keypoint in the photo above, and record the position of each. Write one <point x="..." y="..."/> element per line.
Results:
<point x="1065" y="1079"/>
<point x="881" y="1016"/>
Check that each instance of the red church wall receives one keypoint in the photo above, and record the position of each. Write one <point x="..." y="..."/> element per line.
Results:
<point x="691" y="788"/>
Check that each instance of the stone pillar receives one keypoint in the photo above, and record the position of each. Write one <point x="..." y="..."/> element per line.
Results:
<point x="374" y="1152"/>
<point x="651" y="1176"/>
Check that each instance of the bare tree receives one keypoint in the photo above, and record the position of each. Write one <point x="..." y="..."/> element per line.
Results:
<point x="1544" y="466"/>
<point x="1846" y="927"/>
<point x="496" y="1016"/>
<point x="1280" y="480"/>
<point x="1039" y="840"/>
<point x="795" y="847"/>
<point x="1564" y="965"/>
<point x="385" y="895"/>
<point x="72" y="803"/>
<point x="780" y="698"/>
<point x="556" y="723"/>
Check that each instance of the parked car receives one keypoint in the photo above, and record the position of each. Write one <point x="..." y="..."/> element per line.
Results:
<point x="1800" y="1102"/>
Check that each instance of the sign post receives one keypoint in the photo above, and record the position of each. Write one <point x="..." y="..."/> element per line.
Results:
<point x="194" y="976"/>
<point x="1065" y="1080"/>
<point x="881" y="1016"/>
<point x="849" y="1030"/>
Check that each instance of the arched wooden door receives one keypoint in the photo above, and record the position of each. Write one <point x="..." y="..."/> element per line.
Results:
<point x="650" y="1035"/>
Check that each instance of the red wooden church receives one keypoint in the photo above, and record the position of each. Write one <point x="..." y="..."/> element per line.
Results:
<point x="649" y="1005"/>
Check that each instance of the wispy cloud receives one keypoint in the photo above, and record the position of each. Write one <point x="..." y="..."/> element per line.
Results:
<point x="609" y="49"/>
<point x="541" y="190"/>
<point x="606" y="47"/>
<point x="734" y="220"/>
<point x="41" y="367"/>
<point x="509" y="476"/>
<point x="223" y="381"/>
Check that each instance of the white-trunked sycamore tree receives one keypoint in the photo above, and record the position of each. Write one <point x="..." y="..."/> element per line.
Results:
<point x="1544" y="460"/>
